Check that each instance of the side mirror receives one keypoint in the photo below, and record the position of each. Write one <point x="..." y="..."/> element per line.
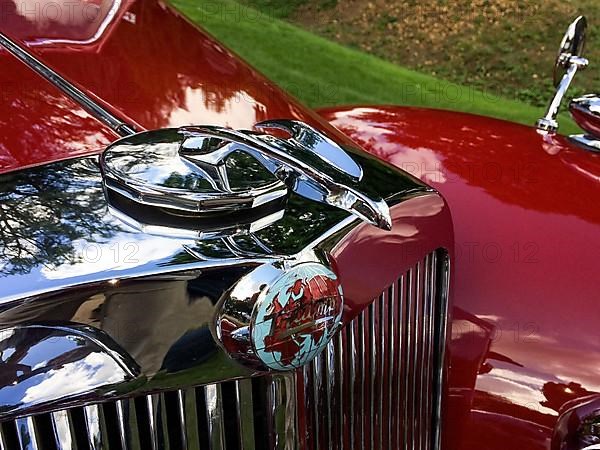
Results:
<point x="572" y="45"/>
<point x="568" y="61"/>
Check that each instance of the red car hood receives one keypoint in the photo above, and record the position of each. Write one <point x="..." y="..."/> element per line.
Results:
<point x="526" y="212"/>
<point x="143" y="58"/>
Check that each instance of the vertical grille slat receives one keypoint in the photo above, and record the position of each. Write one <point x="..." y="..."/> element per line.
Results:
<point x="374" y="376"/>
<point x="128" y="426"/>
<point x="410" y="347"/>
<point x="3" y="445"/>
<point x="181" y="418"/>
<point x="342" y="430"/>
<point x="245" y="414"/>
<point x="330" y="378"/>
<point x="93" y="430"/>
<point x="393" y="364"/>
<point x="383" y="372"/>
<point x="214" y="410"/>
<point x="385" y="369"/>
<point x="419" y="343"/>
<point x="354" y="369"/>
<point x="364" y="409"/>
<point x="319" y="401"/>
<point x="281" y="398"/>
<point x="63" y="430"/>
<point x="190" y="419"/>
<point x="401" y="340"/>
<point x="157" y="422"/>
<point x="26" y="434"/>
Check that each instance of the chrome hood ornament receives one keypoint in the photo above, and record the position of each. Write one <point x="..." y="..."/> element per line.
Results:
<point x="203" y="172"/>
<point x="185" y="172"/>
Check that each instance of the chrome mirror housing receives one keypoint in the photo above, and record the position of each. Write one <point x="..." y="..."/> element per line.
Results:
<point x="568" y="61"/>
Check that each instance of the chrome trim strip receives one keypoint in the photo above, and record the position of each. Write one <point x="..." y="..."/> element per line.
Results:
<point x="110" y="16"/>
<point x="116" y="124"/>
<point x="63" y="430"/>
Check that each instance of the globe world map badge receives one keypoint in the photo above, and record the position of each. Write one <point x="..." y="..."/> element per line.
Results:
<point x="298" y="315"/>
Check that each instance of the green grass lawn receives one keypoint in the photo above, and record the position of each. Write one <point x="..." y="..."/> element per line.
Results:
<point x="322" y="73"/>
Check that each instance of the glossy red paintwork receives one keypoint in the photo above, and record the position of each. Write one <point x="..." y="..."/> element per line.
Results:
<point x="369" y="258"/>
<point x="526" y="290"/>
<point x="525" y="325"/>
<point x="149" y="62"/>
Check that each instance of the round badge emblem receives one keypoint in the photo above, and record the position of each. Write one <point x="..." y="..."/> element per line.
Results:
<point x="297" y="316"/>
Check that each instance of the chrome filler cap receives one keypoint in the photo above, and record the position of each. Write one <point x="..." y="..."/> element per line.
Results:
<point x="201" y="172"/>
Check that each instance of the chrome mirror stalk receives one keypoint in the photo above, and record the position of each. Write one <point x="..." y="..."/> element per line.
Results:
<point x="568" y="62"/>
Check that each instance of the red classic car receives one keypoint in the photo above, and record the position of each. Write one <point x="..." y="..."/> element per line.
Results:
<point x="190" y="259"/>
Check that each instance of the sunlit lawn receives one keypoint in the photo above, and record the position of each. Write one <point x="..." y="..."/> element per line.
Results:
<point x="322" y="73"/>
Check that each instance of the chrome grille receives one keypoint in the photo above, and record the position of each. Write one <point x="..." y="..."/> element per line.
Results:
<point x="378" y="385"/>
<point x="254" y="413"/>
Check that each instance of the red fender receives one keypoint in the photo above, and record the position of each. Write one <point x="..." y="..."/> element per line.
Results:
<point x="526" y="212"/>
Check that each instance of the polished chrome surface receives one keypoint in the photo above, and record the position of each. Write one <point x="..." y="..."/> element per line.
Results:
<point x="568" y="62"/>
<point x="572" y="45"/>
<point x="200" y="170"/>
<point x="66" y="258"/>
<point x="585" y="110"/>
<point x="586" y="141"/>
<point x="279" y="317"/>
<point x="42" y="365"/>
<point x="215" y="416"/>
<point x="62" y="425"/>
<point x="159" y="169"/>
<point x="379" y="384"/>
<point x="91" y="414"/>
<point x="578" y="425"/>
<point x="119" y="126"/>
<point x="27" y="434"/>
<point x="89" y="244"/>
